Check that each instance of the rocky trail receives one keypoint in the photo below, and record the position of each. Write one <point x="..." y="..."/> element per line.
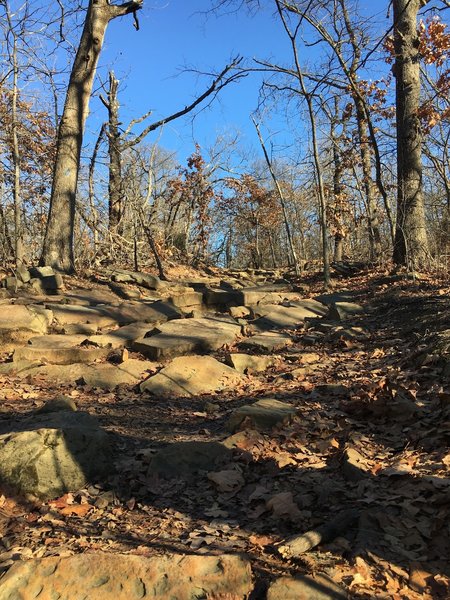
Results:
<point x="226" y="436"/>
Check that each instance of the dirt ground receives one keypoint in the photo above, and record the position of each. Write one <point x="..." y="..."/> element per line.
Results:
<point x="371" y="433"/>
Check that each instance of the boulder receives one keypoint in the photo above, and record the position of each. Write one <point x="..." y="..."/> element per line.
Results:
<point x="19" y="323"/>
<point x="54" y="453"/>
<point x="263" y="415"/>
<point x="192" y="375"/>
<point x="101" y="576"/>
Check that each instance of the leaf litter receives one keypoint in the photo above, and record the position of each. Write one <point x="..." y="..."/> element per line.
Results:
<point x="370" y="440"/>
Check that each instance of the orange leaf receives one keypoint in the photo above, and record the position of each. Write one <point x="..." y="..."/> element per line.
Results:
<point x="80" y="510"/>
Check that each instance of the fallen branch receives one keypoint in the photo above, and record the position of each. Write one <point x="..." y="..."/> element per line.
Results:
<point x="298" y="544"/>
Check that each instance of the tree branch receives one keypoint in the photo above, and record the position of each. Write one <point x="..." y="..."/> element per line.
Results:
<point x="218" y="84"/>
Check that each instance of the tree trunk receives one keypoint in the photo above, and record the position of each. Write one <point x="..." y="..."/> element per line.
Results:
<point x="369" y="186"/>
<point x="338" y="188"/>
<point x="411" y="244"/>
<point x="58" y="242"/>
<point x="115" y="183"/>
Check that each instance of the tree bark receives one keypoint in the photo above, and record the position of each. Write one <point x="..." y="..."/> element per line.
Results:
<point x="58" y="243"/>
<point x="411" y="244"/>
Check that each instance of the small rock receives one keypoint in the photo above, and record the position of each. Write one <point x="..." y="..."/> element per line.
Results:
<point x="238" y="312"/>
<point x="262" y="415"/>
<point x="353" y="465"/>
<point x="267" y="342"/>
<point x="339" y="311"/>
<point x="58" y="404"/>
<point x="247" y="362"/>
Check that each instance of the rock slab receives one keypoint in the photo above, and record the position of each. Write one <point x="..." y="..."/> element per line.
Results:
<point x="192" y="375"/>
<point x="101" y="576"/>
<point x="314" y="587"/>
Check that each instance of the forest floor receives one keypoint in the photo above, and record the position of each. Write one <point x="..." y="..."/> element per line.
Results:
<point x="371" y="432"/>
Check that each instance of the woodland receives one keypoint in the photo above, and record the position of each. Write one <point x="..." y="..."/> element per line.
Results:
<point x="226" y="375"/>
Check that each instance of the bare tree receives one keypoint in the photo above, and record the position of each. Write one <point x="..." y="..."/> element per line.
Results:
<point x="58" y="242"/>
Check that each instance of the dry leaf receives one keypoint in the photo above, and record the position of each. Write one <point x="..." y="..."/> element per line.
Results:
<point x="80" y="510"/>
<point x="227" y="481"/>
<point x="418" y="577"/>
<point x="283" y="505"/>
<point x="260" y="540"/>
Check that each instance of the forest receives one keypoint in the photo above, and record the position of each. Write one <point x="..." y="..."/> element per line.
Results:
<point x="225" y="309"/>
<point x="367" y="185"/>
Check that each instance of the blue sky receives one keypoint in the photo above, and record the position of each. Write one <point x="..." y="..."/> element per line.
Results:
<point x="176" y="33"/>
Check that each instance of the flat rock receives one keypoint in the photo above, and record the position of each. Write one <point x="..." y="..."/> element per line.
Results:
<point x="123" y="336"/>
<point x="60" y="355"/>
<point x="54" y="453"/>
<point x="192" y="375"/>
<point x="331" y="298"/>
<point x="339" y="311"/>
<point x="263" y="415"/>
<point x="313" y="305"/>
<point x="188" y="336"/>
<point x="248" y="362"/>
<point x="85" y="329"/>
<point x="305" y="587"/>
<point x="164" y="347"/>
<point x="181" y="459"/>
<point x="67" y="314"/>
<point x="281" y="317"/>
<point x="187" y="299"/>
<point x="101" y="576"/>
<point x="105" y="376"/>
<point x="266" y="342"/>
<point x="154" y="312"/>
<point x="91" y="297"/>
<point x="147" y="280"/>
<point x="57" y="341"/>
